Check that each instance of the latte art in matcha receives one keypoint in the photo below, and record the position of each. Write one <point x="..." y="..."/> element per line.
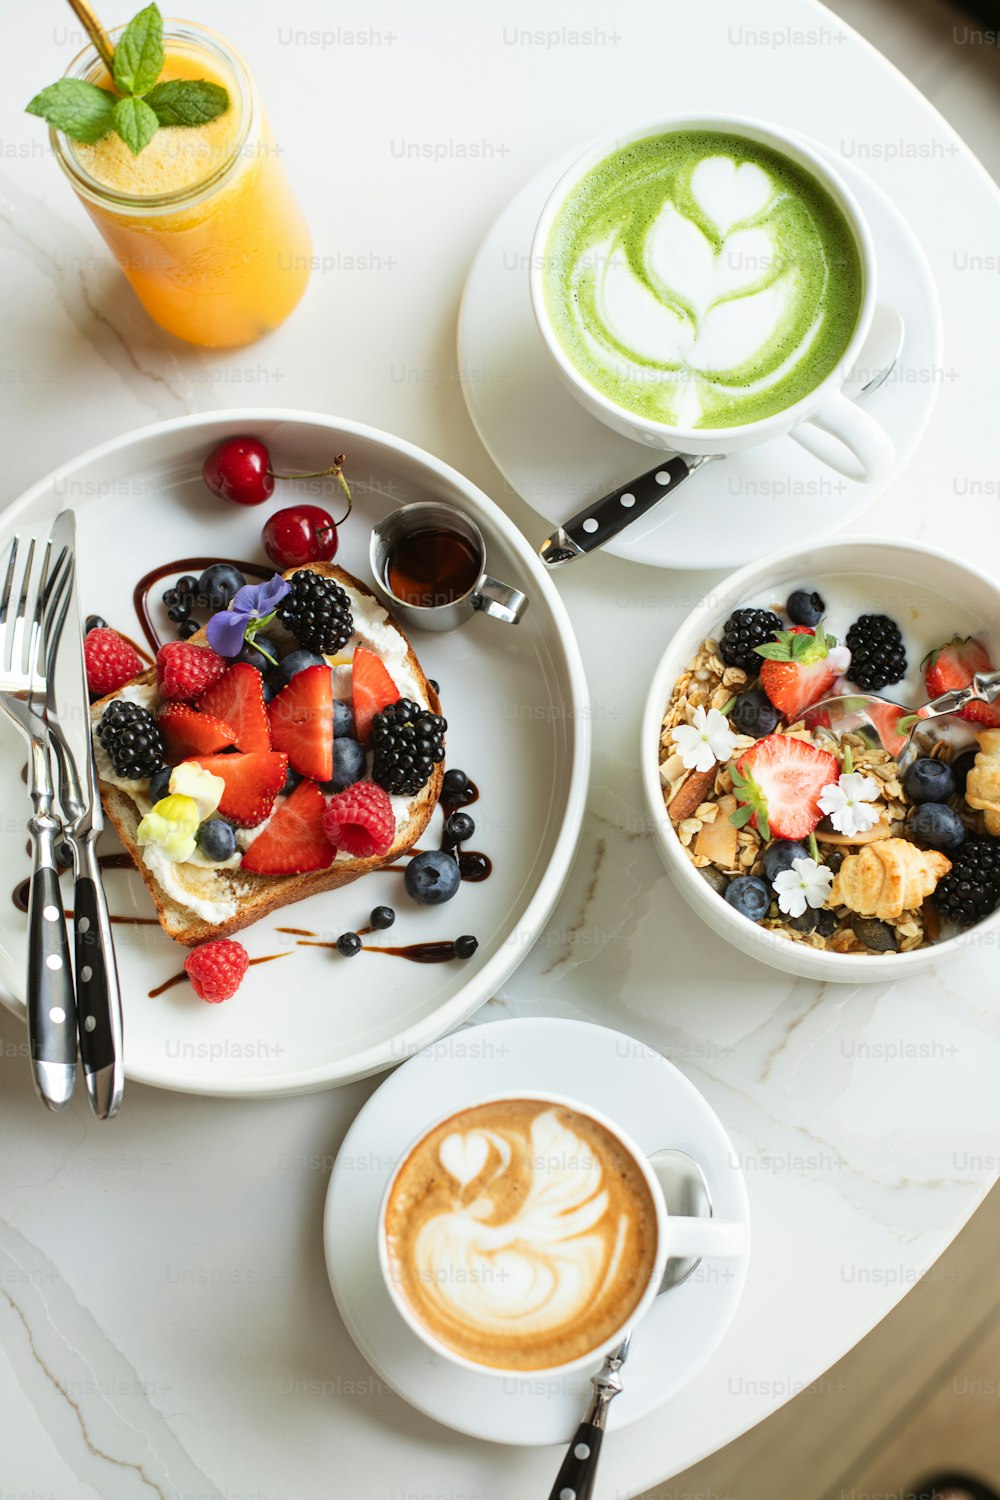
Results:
<point x="702" y="279"/>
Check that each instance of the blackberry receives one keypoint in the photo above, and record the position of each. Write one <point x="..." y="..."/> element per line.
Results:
<point x="317" y="611"/>
<point x="131" y="736"/>
<point x="408" y="742"/>
<point x="971" y="888"/>
<point x="743" y="632"/>
<point x="878" y="656"/>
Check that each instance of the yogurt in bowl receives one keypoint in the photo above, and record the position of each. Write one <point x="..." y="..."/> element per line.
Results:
<point x="858" y="883"/>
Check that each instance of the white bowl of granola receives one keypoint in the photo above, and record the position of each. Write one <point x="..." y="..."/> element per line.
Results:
<point x="869" y="875"/>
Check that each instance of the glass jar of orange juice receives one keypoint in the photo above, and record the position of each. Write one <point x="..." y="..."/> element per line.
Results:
<point x="202" y="221"/>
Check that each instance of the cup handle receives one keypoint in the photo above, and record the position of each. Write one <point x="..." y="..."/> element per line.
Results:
<point x="846" y="439"/>
<point x="499" y="600"/>
<point x="696" y="1237"/>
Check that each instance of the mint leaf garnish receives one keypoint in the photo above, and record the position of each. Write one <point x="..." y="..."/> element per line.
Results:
<point x="139" y="53"/>
<point x="187" y="101"/>
<point x="136" y="123"/>
<point x="140" y="106"/>
<point x="80" y="110"/>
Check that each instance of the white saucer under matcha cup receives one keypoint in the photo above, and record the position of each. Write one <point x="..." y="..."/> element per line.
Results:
<point x="825" y="422"/>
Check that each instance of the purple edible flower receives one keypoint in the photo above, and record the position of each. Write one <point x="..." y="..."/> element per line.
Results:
<point x="253" y="606"/>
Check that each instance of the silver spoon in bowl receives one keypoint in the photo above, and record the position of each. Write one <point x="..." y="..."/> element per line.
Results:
<point x="685" y="1189"/>
<point x="880" y="722"/>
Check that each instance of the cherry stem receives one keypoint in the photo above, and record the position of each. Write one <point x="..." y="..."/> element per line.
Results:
<point x="335" y="471"/>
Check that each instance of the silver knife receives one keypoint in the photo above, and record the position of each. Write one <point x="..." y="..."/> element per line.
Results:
<point x="98" y="992"/>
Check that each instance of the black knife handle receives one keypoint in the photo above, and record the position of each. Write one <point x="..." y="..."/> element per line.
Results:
<point x="51" y="1002"/>
<point x="579" y="1467"/>
<point x="605" y="518"/>
<point x="98" y="992"/>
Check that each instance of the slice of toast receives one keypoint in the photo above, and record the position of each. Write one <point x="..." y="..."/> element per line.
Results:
<point x="256" y="896"/>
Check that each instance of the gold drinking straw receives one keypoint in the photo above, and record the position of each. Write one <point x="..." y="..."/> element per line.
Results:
<point x="95" y="31"/>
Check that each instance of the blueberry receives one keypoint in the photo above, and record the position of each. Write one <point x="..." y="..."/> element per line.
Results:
<point x="178" y="613"/>
<point x="382" y="917"/>
<point x="269" y="689"/>
<point x="255" y="658"/>
<point x="295" y="661"/>
<point x="292" y="780"/>
<point x="935" y="826"/>
<point x="95" y="622"/>
<point x="780" y="855"/>
<point x="806" y="922"/>
<point x="159" y="784"/>
<point x="217" y="839"/>
<point x="754" y="713"/>
<point x="348" y="944"/>
<point x="455" y="783"/>
<point x="186" y="629"/>
<point x="961" y="767"/>
<point x="748" y="895"/>
<point x="459" y="828"/>
<point x="172" y="597"/>
<point x="466" y="945"/>
<point x="826" y="925"/>
<point x="436" y="686"/>
<point x="833" y="859"/>
<point x="217" y="585"/>
<point x="805" y="607"/>
<point x="187" y="586"/>
<point x="349" y="763"/>
<point x="343" y="721"/>
<point x="431" y="877"/>
<point x="929" y="781"/>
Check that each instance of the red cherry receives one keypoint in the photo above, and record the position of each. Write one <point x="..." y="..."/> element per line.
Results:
<point x="300" y="534"/>
<point x="238" y="470"/>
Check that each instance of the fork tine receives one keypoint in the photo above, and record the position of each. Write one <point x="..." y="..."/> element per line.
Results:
<point x="34" y="663"/>
<point x="5" y="633"/>
<point x="19" y="645"/>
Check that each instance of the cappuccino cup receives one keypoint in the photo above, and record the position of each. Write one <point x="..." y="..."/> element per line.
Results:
<point x="704" y="284"/>
<point x="525" y="1235"/>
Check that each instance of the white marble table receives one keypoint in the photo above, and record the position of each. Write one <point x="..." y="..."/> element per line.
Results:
<point x="165" y="1320"/>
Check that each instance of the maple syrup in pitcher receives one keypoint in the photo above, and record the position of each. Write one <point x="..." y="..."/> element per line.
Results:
<point x="431" y="567"/>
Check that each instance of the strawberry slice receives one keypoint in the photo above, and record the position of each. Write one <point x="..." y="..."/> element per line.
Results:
<point x="186" y="733"/>
<point x="778" y="781"/>
<point x="253" y="781"/>
<point x="372" y="689"/>
<point x="238" y="698"/>
<point x="954" y="665"/>
<point x="302" y="723"/>
<point x="293" y="843"/>
<point x="796" y="671"/>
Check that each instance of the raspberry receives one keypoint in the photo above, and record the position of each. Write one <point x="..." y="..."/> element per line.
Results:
<point x="360" y="821"/>
<point x="111" y="661"/>
<point x="216" y="969"/>
<point x="184" y="671"/>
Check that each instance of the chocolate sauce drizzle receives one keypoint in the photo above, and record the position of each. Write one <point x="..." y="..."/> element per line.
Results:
<point x="196" y="565"/>
<point x="175" y="979"/>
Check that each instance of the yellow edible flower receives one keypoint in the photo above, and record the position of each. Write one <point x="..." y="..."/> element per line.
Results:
<point x="191" y="780"/>
<point x="171" y="826"/>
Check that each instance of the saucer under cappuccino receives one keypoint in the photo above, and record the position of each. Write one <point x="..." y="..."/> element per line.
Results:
<point x="521" y="1234"/>
<point x="702" y="279"/>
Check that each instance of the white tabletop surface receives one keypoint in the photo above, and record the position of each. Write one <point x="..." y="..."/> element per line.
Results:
<point x="165" y="1319"/>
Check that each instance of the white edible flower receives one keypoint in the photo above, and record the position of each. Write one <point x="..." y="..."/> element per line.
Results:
<point x="805" y="884"/>
<point x="705" y="741"/>
<point x="848" y="802"/>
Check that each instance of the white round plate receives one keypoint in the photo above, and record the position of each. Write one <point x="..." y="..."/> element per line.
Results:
<point x="516" y="708"/>
<point x="643" y="1093"/>
<point x="557" y="457"/>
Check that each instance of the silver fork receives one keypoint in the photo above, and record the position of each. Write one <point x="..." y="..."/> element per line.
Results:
<point x="51" y="1001"/>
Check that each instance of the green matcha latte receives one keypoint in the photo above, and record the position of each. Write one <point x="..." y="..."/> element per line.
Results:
<point x="701" y="279"/>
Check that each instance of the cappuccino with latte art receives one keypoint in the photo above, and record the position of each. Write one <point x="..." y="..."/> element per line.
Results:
<point x="521" y="1234"/>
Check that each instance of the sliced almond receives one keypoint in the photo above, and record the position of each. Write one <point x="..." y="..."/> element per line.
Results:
<point x="690" y="794"/>
<point x="847" y="840"/>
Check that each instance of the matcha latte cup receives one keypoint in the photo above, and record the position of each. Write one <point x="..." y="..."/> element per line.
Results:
<point x="704" y="284"/>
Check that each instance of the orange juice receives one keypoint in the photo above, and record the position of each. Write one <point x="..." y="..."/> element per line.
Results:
<point x="202" y="221"/>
